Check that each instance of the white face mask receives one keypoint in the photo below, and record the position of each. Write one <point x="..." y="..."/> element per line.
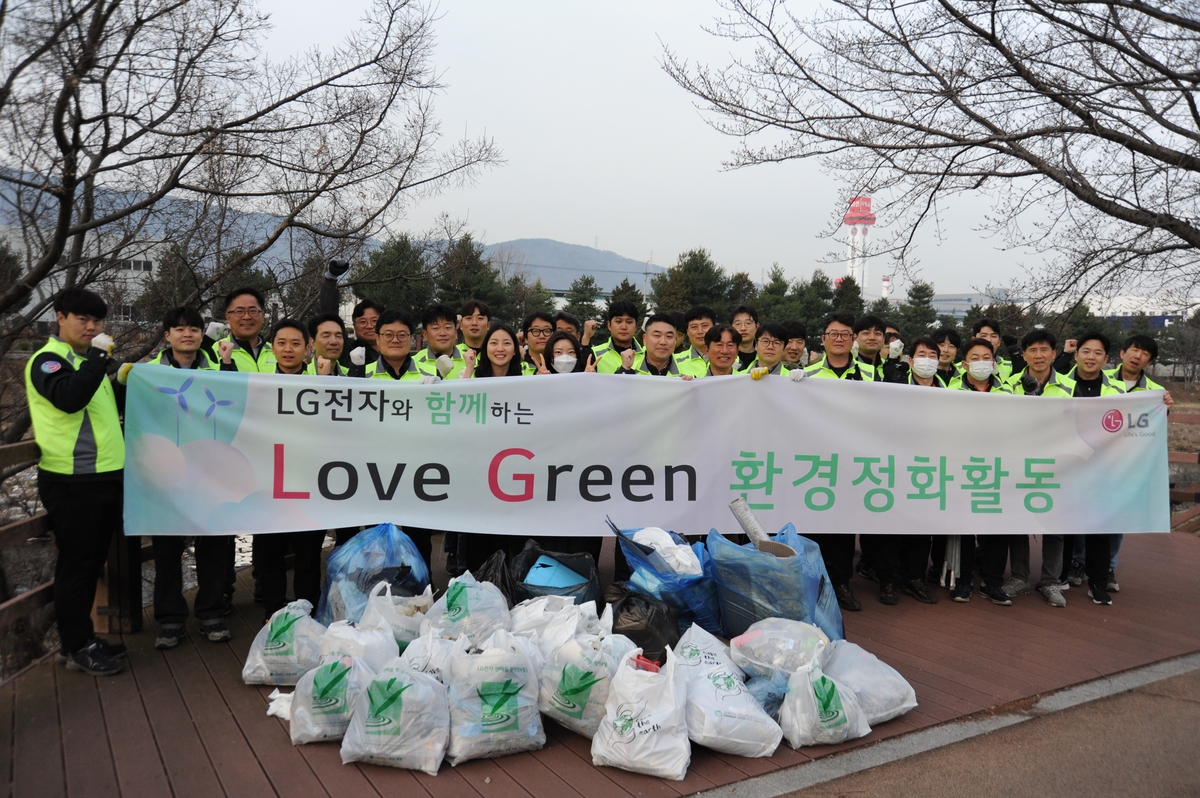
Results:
<point x="980" y="369"/>
<point x="924" y="367"/>
<point x="565" y="364"/>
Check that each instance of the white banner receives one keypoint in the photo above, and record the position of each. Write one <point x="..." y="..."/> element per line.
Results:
<point x="220" y="453"/>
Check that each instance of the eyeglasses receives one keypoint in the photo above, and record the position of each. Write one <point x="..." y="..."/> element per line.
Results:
<point x="241" y="313"/>
<point x="540" y="332"/>
<point x="398" y="338"/>
<point x="769" y="343"/>
<point x="840" y="335"/>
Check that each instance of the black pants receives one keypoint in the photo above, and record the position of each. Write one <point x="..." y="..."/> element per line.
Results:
<point x="838" y="553"/>
<point x="995" y="557"/>
<point x="900" y="558"/>
<point x="212" y="551"/>
<point x="84" y="517"/>
<point x="270" y="552"/>
<point x="1096" y="558"/>
<point x="344" y="534"/>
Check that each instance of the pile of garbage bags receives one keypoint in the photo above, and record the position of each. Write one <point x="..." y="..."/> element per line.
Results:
<point x="414" y="681"/>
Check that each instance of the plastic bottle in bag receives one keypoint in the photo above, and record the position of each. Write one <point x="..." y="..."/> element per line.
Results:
<point x="286" y="648"/>
<point x="401" y="720"/>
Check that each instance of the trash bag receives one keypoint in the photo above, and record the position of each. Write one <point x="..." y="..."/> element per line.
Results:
<point x="724" y="716"/>
<point x="325" y="697"/>
<point x="754" y="585"/>
<point x="531" y="616"/>
<point x="468" y="607"/>
<point x="573" y="575"/>
<point x="372" y="643"/>
<point x="380" y="554"/>
<point x="694" y="596"/>
<point x="881" y="691"/>
<point x="644" y="729"/>
<point x="431" y="653"/>
<point x="495" y="570"/>
<point x="778" y="646"/>
<point x="577" y="619"/>
<point x="286" y="648"/>
<point x="652" y="625"/>
<point x="493" y="702"/>
<point x="699" y="652"/>
<point x="577" y="675"/>
<point x="401" y="720"/>
<point x="819" y="711"/>
<point x="769" y="692"/>
<point x="403" y="615"/>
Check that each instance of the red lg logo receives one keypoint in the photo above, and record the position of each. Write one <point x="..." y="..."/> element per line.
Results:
<point x="1113" y="421"/>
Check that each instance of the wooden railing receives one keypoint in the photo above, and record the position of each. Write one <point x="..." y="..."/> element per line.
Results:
<point x="1185" y="520"/>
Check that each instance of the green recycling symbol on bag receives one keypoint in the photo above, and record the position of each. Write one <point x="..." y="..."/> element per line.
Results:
<point x="574" y="689"/>
<point x="329" y="688"/>
<point x="829" y="703"/>
<point x="457" y="608"/>
<point x="498" y="705"/>
<point x="281" y="635"/>
<point x="385" y="706"/>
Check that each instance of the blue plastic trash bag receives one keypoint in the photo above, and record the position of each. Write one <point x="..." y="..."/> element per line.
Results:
<point x="754" y="585"/>
<point x="694" y="596"/>
<point x="381" y="554"/>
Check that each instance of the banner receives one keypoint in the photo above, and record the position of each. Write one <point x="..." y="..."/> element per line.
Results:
<point x="220" y="453"/>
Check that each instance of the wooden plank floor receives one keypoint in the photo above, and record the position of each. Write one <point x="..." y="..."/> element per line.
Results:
<point x="182" y="723"/>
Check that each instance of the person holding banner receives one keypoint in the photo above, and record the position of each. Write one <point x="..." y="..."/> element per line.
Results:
<point x="566" y="356"/>
<point x="244" y="349"/>
<point x="394" y="334"/>
<point x="658" y="357"/>
<point x="622" y="325"/>
<point x="328" y="334"/>
<point x="441" y="339"/>
<point x="768" y="346"/>
<point x="721" y="343"/>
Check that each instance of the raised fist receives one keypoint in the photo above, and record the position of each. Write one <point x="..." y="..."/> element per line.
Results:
<point x="358" y="356"/>
<point x="324" y="365"/>
<point x="104" y="343"/>
<point x="225" y="349"/>
<point x="627" y="358"/>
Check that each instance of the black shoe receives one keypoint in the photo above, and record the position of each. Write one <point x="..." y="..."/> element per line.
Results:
<point x="866" y="571"/>
<point x="1111" y="584"/>
<point x="934" y="576"/>
<point x="92" y="660"/>
<point x="962" y="592"/>
<point x="216" y="632"/>
<point x="226" y="606"/>
<point x="1099" y="595"/>
<point x="1076" y="574"/>
<point x="920" y="591"/>
<point x="169" y="637"/>
<point x="111" y="650"/>
<point x="996" y="596"/>
<point x="846" y="599"/>
<point x="887" y="594"/>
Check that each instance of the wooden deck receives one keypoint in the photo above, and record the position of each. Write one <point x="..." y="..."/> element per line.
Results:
<point x="181" y="723"/>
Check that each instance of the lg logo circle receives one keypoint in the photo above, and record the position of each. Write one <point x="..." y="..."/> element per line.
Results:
<point x="1113" y="421"/>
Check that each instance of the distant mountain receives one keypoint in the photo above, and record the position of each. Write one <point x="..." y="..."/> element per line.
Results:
<point x="558" y="264"/>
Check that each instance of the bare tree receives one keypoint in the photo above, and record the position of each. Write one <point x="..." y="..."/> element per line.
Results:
<point x="1078" y="119"/>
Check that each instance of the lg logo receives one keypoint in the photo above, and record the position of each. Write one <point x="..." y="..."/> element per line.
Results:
<point x="1114" y="421"/>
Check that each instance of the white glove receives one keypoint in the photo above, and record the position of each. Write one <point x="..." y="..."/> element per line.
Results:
<point x="798" y="374"/>
<point x="123" y="373"/>
<point x="895" y="349"/>
<point x="444" y="365"/>
<point x="430" y="380"/>
<point x="104" y="343"/>
<point x="216" y="330"/>
<point x="358" y="356"/>
<point x="854" y="349"/>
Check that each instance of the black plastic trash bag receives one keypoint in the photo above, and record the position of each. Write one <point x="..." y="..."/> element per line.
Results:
<point x="581" y="564"/>
<point x="495" y="570"/>
<point x="651" y="624"/>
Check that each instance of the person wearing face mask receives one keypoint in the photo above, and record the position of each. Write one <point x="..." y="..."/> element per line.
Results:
<point x="566" y="356"/>
<point x="923" y="369"/>
<point x="948" y="342"/>
<point x="979" y="370"/>
<point x="989" y="330"/>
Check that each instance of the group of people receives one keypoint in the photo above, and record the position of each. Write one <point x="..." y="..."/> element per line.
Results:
<point x="76" y="409"/>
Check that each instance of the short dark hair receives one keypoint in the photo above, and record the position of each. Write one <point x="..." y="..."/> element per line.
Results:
<point x="393" y="316"/>
<point x="948" y="334"/>
<point x="438" y="312"/>
<point x="773" y="329"/>
<point x="563" y="335"/>
<point x="536" y="316"/>
<point x="870" y="322"/>
<point x="1038" y="336"/>
<point x="471" y="305"/>
<point x="974" y="342"/>
<point x="81" y="302"/>
<point x="1094" y="335"/>
<point x="362" y="307"/>
<point x="889" y="323"/>
<point x="293" y="324"/>
<point x="924" y="340"/>
<point x="795" y="329"/>
<point x="717" y="330"/>
<point x="660" y="318"/>
<point x="677" y="320"/>
<point x="740" y="309"/>
<point x="990" y="323"/>
<point x="562" y="315"/>
<point x="483" y="366"/>
<point x="840" y="316"/>
<point x="1143" y="342"/>
<point x="183" y="317"/>
<point x="247" y="291"/>
<point x="318" y="320"/>
<point x="622" y="307"/>
<point x="699" y="312"/>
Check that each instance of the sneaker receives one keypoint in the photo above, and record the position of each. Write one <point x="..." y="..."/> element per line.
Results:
<point x="1099" y="595"/>
<point x="92" y="660"/>
<point x="1016" y="587"/>
<point x="1064" y="586"/>
<point x="920" y="591"/>
<point x="1053" y="595"/>
<point x="962" y="592"/>
<point x="169" y="637"/>
<point x="216" y="632"/>
<point x="866" y="571"/>
<point x="1111" y="582"/>
<point x="887" y="594"/>
<point x="1076" y="574"/>
<point x="110" y="650"/>
<point x="997" y="595"/>
<point x="846" y="599"/>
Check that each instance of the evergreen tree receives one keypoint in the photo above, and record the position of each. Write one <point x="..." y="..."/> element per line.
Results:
<point x="776" y="301"/>
<point x="581" y="298"/>
<point x="813" y="300"/>
<point x="466" y="274"/>
<point x="741" y="290"/>
<point x="523" y="298"/>
<point x="695" y="279"/>
<point x="848" y="296"/>
<point x="173" y="280"/>
<point x="627" y="292"/>
<point x="917" y="314"/>
<point x="397" y="276"/>
<point x="881" y="308"/>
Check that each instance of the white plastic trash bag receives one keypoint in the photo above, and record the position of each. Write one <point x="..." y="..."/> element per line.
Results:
<point x="777" y="646"/>
<point x="401" y="720"/>
<point x="281" y="704"/>
<point x="325" y="697"/>
<point x="577" y="676"/>
<point x="469" y="607"/>
<point x="531" y="615"/>
<point x="373" y="644"/>
<point x="431" y="654"/>
<point x="286" y="648"/>
<point x="700" y="652"/>
<point x="723" y="715"/>
<point x="881" y="691"/>
<point x="493" y="702"/>
<point x="403" y="614"/>
<point x="569" y="622"/>
<point x="819" y="711"/>
<point x="644" y="729"/>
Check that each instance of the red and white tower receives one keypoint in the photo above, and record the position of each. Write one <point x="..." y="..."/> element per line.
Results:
<point x="859" y="219"/>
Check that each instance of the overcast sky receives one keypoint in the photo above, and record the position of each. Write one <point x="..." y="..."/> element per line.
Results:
<point x="603" y="149"/>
